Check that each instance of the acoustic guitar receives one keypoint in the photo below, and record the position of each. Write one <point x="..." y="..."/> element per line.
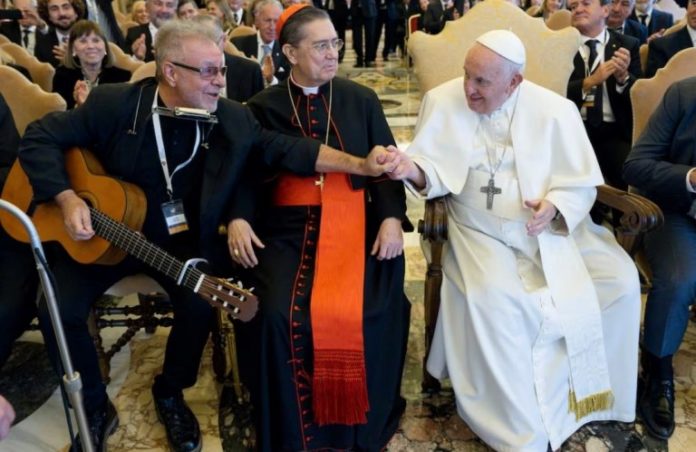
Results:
<point x="117" y="211"/>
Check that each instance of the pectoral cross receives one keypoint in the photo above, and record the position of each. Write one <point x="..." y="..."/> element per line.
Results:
<point x="490" y="190"/>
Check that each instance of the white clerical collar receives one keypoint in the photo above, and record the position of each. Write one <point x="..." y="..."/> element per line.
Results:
<point x="306" y="90"/>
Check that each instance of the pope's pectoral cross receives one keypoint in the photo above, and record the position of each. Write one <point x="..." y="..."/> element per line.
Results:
<point x="490" y="190"/>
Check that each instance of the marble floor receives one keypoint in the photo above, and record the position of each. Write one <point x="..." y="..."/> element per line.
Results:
<point x="429" y="424"/>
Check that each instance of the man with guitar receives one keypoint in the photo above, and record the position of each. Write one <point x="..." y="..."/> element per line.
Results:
<point x="186" y="149"/>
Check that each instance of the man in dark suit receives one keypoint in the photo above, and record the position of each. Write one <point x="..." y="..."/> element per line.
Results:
<point x="264" y="46"/>
<point x="239" y="14"/>
<point x="661" y="166"/>
<point x="437" y="14"/>
<point x="338" y="12"/>
<point x="18" y="292"/>
<point x="24" y="31"/>
<point x="243" y="75"/>
<point x="205" y="162"/>
<point x="655" y="21"/>
<point x="363" y="15"/>
<point x="660" y="50"/>
<point x="60" y="15"/>
<point x="140" y="39"/>
<point x="618" y="20"/>
<point x="102" y="12"/>
<point x="606" y="66"/>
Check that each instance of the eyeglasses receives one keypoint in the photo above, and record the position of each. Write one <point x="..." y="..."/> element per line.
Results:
<point x="323" y="47"/>
<point x="206" y="72"/>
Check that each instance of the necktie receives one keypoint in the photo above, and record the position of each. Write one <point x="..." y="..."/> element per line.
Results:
<point x="643" y="19"/>
<point x="594" y="113"/>
<point x="25" y="37"/>
<point x="266" y="51"/>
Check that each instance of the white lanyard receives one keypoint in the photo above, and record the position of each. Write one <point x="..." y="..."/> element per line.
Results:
<point x="157" y="126"/>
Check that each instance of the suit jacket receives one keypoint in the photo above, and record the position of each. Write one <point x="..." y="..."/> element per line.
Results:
<point x="249" y="45"/>
<point x="635" y="29"/>
<point x="244" y="78"/>
<point x="134" y="33"/>
<point x="658" y="20"/>
<point x="620" y="102"/>
<point x="660" y="50"/>
<point x="368" y="7"/>
<point x="43" y="50"/>
<point x="435" y="17"/>
<point x="664" y="153"/>
<point x="116" y="124"/>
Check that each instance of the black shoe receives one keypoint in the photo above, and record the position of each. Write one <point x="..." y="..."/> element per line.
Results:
<point x="358" y="63"/>
<point x="102" y="424"/>
<point x="183" y="432"/>
<point x="657" y="408"/>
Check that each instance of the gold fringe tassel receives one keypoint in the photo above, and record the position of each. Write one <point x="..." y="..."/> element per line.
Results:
<point x="596" y="402"/>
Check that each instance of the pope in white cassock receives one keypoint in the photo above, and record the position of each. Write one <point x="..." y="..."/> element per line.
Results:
<point x="538" y="325"/>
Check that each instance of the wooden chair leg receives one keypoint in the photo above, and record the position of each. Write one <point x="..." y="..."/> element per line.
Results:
<point x="104" y="365"/>
<point x="433" y="282"/>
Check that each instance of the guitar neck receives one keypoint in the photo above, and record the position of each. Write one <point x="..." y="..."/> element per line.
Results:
<point x="137" y="246"/>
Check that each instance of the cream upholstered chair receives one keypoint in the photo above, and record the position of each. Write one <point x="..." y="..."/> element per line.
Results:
<point x="439" y="58"/>
<point x="676" y="27"/>
<point x="4" y="39"/>
<point x="241" y="30"/>
<point x="144" y="71"/>
<point x="126" y="24"/>
<point x="550" y="54"/>
<point x="643" y="53"/>
<point x="647" y="93"/>
<point x="559" y="19"/>
<point x="123" y="60"/>
<point x="26" y="100"/>
<point x="233" y="50"/>
<point x="41" y="73"/>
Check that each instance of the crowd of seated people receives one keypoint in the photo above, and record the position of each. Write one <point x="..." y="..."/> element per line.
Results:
<point x="75" y="38"/>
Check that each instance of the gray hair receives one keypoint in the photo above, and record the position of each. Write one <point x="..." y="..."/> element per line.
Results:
<point x="171" y="37"/>
<point x="212" y="22"/>
<point x="259" y="4"/>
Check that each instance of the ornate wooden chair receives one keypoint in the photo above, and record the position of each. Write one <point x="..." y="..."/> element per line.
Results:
<point x="241" y="30"/>
<point x="4" y="39"/>
<point x="549" y="63"/>
<point x="41" y="73"/>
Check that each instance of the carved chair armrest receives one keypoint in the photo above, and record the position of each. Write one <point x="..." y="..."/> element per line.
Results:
<point x="433" y="226"/>
<point x="638" y="215"/>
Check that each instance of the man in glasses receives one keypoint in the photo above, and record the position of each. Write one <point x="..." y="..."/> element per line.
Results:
<point x="129" y="130"/>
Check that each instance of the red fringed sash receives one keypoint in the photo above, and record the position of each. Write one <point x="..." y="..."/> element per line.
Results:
<point x="339" y="385"/>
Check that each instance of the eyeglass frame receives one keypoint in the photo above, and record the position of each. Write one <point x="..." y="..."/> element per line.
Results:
<point x="218" y="70"/>
<point x="323" y="47"/>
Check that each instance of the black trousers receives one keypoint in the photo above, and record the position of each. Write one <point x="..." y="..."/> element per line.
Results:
<point x="18" y="291"/>
<point x="78" y="286"/>
<point x="360" y="23"/>
<point x="611" y="149"/>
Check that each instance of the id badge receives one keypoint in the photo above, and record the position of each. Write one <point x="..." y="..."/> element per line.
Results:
<point x="589" y="99"/>
<point x="174" y="216"/>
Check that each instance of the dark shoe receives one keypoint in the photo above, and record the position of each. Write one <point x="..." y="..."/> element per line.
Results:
<point x="358" y="63"/>
<point x="657" y="408"/>
<point x="183" y="432"/>
<point x="370" y="64"/>
<point x="102" y="424"/>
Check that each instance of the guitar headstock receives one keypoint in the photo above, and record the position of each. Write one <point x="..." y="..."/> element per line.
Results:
<point x="238" y="302"/>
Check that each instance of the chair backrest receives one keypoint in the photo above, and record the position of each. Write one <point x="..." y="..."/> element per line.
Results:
<point x="412" y="25"/>
<point x="533" y="10"/>
<point x="127" y="24"/>
<point x="26" y="100"/>
<point x="670" y="6"/>
<point x="233" y="50"/>
<point x="4" y="39"/>
<point x="676" y="27"/>
<point x="41" y="73"/>
<point x="439" y="58"/>
<point x="558" y="19"/>
<point x="643" y="53"/>
<point x="123" y="60"/>
<point x="144" y="71"/>
<point x="241" y="30"/>
<point x="647" y="93"/>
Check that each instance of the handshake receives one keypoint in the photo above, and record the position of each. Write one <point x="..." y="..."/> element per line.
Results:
<point x="392" y="162"/>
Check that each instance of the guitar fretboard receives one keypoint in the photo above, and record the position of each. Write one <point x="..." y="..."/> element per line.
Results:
<point x="137" y="246"/>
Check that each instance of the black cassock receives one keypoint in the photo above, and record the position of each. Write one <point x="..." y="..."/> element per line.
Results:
<point x="279" y="363"/>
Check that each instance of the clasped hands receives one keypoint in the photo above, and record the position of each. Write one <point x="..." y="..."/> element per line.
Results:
<point x="616" y="66"/>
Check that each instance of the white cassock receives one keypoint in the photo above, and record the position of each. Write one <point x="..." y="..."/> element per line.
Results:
<point x="539" y="335"/>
